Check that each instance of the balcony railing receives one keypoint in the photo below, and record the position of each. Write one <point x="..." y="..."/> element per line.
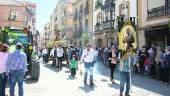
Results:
<point x="75" y="16"/>
<point x="168" y="11"/>
<point x="104" y="26"/>
<point x="158" y="12"/>
<point x="98" y="4"/>
<point x="86" y="10"/>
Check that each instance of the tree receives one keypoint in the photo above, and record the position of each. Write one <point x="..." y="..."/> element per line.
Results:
<point x="57" y="34"/>
<point x="85" y="38"/>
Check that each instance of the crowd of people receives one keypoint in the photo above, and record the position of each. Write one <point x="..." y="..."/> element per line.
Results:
<point x="153" y="61"/>
<point x="12" y="69"/>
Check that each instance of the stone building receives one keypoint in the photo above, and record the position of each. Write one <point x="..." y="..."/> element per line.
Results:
<point x="153" y="20"/>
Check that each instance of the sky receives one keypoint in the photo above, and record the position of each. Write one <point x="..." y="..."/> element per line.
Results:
<point x="43" y="11"/>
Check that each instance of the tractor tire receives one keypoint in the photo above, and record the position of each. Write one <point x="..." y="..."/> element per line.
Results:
<point x="35" y="70"/>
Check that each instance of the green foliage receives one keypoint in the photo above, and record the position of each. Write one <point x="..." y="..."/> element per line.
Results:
<point x="85" y="38"/>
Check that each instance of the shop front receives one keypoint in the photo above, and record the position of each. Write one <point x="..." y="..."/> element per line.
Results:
<point x="159" y="35"/>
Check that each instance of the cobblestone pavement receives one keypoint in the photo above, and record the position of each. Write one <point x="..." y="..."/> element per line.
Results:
<point x="60" y="83"/>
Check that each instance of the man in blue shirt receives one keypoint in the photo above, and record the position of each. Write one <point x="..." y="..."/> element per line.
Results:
<point x="126" y="65"/>
<point x="16" y="68"/>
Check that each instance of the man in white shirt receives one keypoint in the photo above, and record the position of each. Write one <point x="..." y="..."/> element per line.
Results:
<point x="53" y="54"/>
<point x="60" y="53"/>
<point x="3" y="69"/>
<point x="88" y="57"/>
<point x="45" y="55"/>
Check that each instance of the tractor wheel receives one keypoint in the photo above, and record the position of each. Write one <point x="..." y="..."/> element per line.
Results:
<point x="35" y="70"/>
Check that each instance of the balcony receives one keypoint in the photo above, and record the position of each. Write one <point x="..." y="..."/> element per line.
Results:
<point x="109" y="24"/>
<point x="86" y="10"/>
<point x="75" y="16"/>
<point x="98" y="27"/>
<point x="109" y="4"/>
<point x="158" y="12"/>
<point x="98" y="4"/>
<point x="168" y="11"/>
<point x="68" y="1"/>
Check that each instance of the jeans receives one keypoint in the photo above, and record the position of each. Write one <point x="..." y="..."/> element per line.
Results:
<point x="112" y="69"/>
<point x="3" y="81"/>
<point x="54" y="62"/>
<point x="16" y="76"/>
<point x="59" y="62"/>
<point x="90" y="70"/>
<point x="124" y="78"/>
<point x="165" y="75"/>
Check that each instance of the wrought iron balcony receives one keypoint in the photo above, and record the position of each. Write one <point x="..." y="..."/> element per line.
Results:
<point x="98" y="4"/>
<point x="168" y="11"/>
<point x="107" y="25"/>
<point x="86" y="10"/>
<point x="75" y="16"/>
<point x="98" y="27"/>
<point x="158" y="12"/>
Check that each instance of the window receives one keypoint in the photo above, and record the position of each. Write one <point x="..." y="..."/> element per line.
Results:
<point x="168" y="6"/>
<point x="157" y="8"/>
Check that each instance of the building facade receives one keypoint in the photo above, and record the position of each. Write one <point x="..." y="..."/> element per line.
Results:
<point x="16" y="14"/>
<point x="104" y="27"/>
<point x="153" y="21"/>
<point x="62" y="20"/>
<point x="47" y="35"/>
<point x="108" y="15"/>
<point x="83" y="21"/>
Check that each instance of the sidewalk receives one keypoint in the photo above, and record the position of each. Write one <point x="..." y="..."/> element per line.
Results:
<point x="59" y="83"/>
<point x="141" y="86"/>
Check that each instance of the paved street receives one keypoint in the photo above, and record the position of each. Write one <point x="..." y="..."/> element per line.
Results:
<point x="54" y="83"/>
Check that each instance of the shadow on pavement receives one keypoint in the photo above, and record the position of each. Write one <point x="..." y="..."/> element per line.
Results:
<point x="151" y="85"/>
<point x="30" y="81"/>
<point x="70" y="77"/>
<point x="86" y="88"/>
<point x="104" y="80"/>
<point x="115" y="86"/>
<point x="137" y="80"/>
<point x="49" y="66"/>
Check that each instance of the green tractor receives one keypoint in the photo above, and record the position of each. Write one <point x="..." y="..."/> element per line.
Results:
<point x="14" y="35"/>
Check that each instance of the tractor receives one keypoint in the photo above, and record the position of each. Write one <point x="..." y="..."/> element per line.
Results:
<point x="13" y="35"/>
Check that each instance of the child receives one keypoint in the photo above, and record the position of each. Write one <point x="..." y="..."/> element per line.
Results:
<point x="73" y="66"/>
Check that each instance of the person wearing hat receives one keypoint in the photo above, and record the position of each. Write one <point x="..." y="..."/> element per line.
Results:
<point x="16" y="68"/>
<point x="88" y="58"/>
<point x="3" y="71"/>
